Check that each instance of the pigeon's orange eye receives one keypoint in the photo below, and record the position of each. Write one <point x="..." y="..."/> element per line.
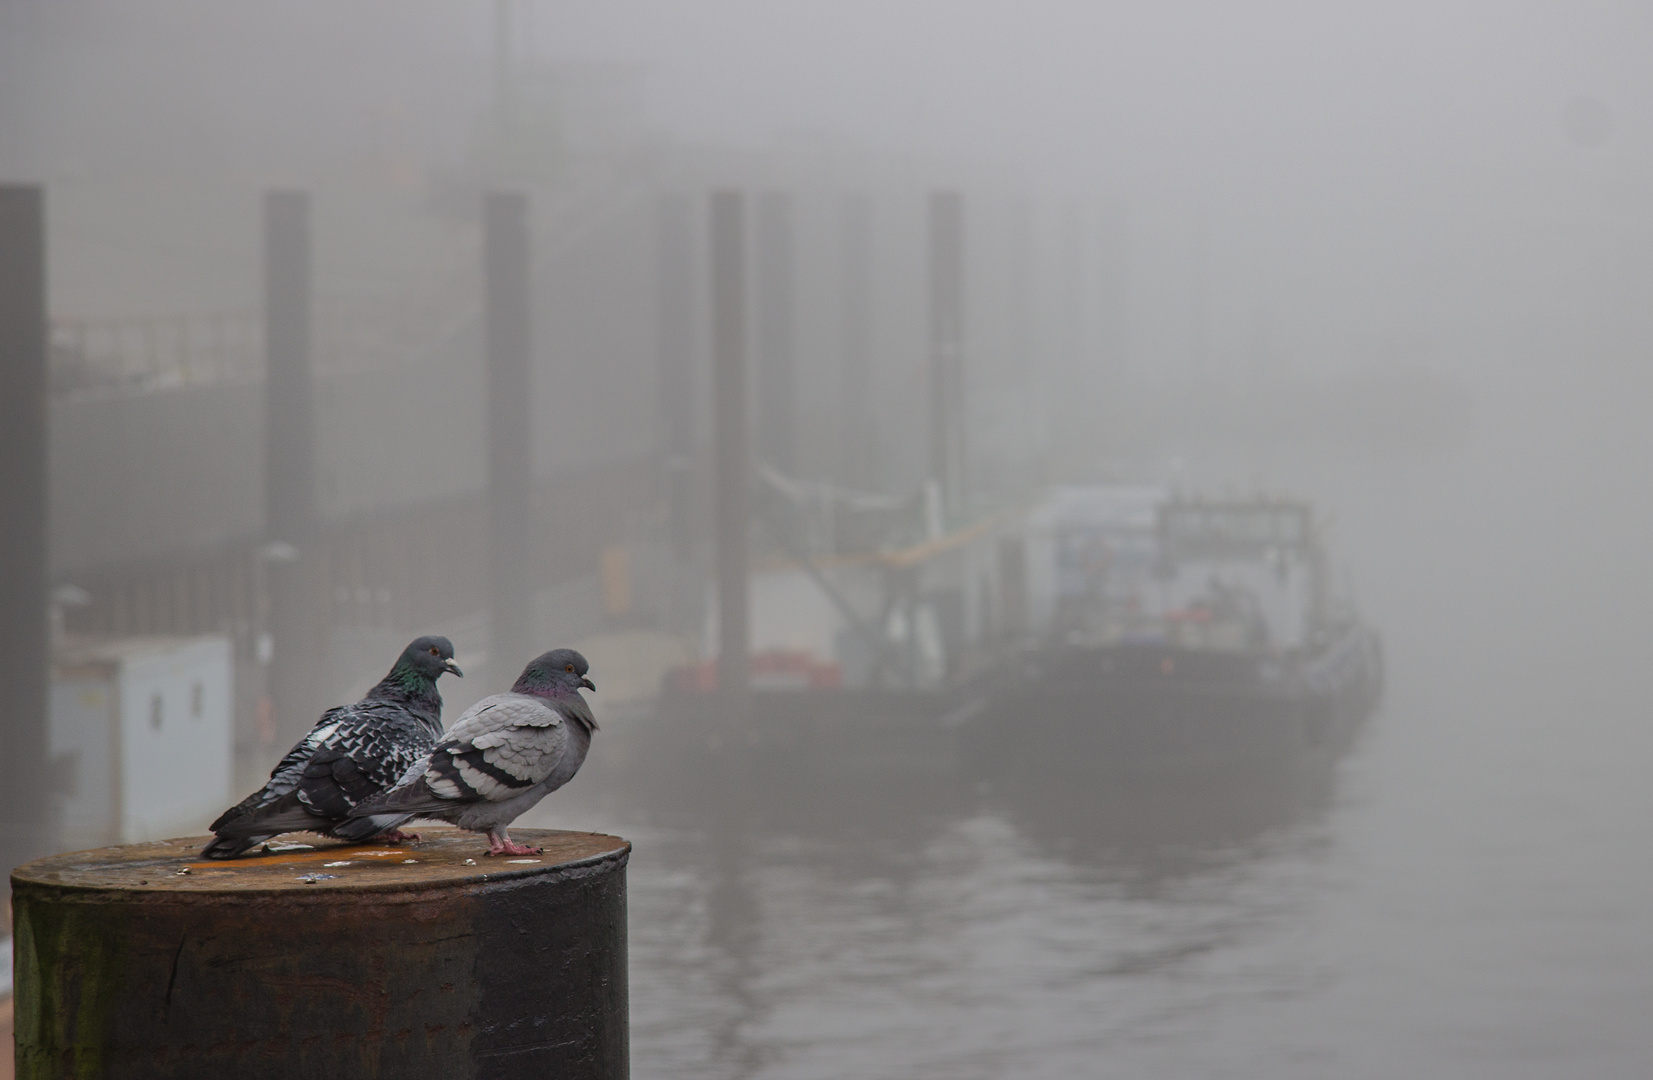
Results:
<point x="570" y="667"/>
<point x="433" y="652"/>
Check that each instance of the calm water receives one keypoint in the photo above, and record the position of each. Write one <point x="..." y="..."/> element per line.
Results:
<point x="1471" y="895"/>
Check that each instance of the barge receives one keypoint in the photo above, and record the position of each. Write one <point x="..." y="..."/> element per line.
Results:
<point x="1097" y="629"/>
<point x="1187" y="636"/>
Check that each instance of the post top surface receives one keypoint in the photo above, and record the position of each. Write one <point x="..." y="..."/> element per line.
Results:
<point x="437" y="861"/>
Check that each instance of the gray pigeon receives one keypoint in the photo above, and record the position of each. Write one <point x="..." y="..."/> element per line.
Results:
<point x="500" y="758"/>
<point x="353" y="753"/>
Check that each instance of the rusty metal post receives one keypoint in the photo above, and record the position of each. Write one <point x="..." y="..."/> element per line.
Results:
<point x="290" y="514"/>
<point x="731" y="440"/>
<point x="339" y="962"/>
<point x="510" y="428"/>
<point x="947" y="347"/>
<point x="25" y="811"/>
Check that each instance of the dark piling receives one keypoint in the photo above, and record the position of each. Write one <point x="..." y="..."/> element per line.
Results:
<point x="947" y="446"/>
<point x="676" y="371"/>
<point x="290" y="512"/>
<point x="732" y="450"/>
<point x="507" y="273"/>
<point x="858" y="446"/>
<point x="24" y="777"/>
<point x="404" y="961"/>
<point x="776" y="421"/>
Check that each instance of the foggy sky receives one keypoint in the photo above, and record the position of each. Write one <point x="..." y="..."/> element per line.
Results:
<point x="1350" y="171"/>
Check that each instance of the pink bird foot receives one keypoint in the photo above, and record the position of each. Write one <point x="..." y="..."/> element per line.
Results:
<point x="397" y="836"/>
<point x="501" y="844"/>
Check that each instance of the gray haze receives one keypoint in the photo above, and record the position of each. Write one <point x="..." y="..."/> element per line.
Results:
<point x="1393" y="258"/>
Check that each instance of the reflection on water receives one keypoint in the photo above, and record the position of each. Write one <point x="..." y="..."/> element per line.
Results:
<point x="887" y="925"/>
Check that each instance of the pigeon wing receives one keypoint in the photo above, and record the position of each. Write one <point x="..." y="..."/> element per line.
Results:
<point x="503" y="746"/>
<point x="367" y="753"/>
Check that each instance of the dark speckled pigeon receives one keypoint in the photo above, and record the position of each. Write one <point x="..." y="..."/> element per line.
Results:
<point x="504" y="755"/>
<point x="353" y="753"/>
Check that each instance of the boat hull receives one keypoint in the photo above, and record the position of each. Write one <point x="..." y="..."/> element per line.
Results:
<point x="1147" y="707"/>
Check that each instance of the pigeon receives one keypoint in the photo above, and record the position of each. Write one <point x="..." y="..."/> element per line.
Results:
<point x="354" y="752"/>
<point x="504" y="755"/>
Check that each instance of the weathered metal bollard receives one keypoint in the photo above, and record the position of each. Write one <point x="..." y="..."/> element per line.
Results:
<point x="423" y="959"/>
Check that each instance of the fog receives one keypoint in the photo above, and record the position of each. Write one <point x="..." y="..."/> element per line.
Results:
<point x="1392" y="260"/>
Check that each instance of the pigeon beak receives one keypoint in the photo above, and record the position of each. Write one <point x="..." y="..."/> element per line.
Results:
<point x="453" y="665"/>
<point x="588" y="684"/>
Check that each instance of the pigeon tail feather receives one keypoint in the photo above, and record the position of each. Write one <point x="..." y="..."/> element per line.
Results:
<point x="286" y="814"/>
<point x="228" y="847"/>
<point x="359" y="829"/>
<point x="241" y="810"/>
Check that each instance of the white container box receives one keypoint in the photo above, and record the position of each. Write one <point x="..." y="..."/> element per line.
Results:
<point x="146" y="727"/>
